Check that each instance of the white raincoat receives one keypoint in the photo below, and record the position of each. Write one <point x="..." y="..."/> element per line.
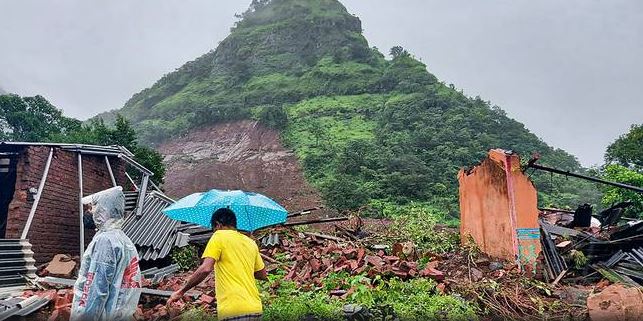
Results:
<point x="109" y="280"/>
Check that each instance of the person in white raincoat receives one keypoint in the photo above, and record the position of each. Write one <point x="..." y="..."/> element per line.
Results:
<point x="109" y="281"/>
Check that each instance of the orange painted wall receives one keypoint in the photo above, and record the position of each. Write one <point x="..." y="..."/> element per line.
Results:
<point x="498" y="208"/>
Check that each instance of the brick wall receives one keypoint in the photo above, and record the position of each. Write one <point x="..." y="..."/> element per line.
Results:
<point x="55" y="226"/>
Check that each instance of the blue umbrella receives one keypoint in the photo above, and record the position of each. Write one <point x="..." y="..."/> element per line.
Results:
<point x="254" y="211"/>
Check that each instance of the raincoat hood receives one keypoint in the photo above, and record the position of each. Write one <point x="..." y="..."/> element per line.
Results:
<point x="107" y="207"/>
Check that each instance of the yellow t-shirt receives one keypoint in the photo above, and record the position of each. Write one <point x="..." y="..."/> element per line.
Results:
<point x="236" y="259"/>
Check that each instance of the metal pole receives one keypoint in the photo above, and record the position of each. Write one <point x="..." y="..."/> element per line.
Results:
<point x="589" y="178"/>
<point x="80" y="204"/>
<point x="141" y="195"/>
<point x="109" y="168"/>
<point x="319" y="221"/>
<point x="131" y="181"/>
<point x="156" y="187"/>
<point x="32" y="212"/>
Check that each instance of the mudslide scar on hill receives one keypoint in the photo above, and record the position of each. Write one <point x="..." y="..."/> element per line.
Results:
<point x="239" y="155"/>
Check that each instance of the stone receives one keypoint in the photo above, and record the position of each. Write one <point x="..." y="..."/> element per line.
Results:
<point x="494" y="266"/>
<point x="476" y="275"/>
<point x="61" y="266"/>
<point x="616" y="303"/>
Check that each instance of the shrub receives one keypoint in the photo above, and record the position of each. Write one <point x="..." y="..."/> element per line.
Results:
<point x="186" y="257"/>
<point x="417" y="222"/>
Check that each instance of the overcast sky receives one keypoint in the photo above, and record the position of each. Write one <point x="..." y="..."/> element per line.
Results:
<point x="571" y="71"/>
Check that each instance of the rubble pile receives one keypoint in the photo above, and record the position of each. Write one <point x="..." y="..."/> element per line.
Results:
<point x="503" y="290"/>
<point x="309" y="258"/>
<point x="593" y="251"/>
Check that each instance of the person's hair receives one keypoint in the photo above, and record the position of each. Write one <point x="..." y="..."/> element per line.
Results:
<point x="225" y="217"/>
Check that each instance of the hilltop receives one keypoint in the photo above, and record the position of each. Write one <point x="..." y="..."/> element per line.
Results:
<point x="367" y="128"/>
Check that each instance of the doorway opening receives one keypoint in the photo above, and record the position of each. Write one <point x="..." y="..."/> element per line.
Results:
<point x="8" y="167"/>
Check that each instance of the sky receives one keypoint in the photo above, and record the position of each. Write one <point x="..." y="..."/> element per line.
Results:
<point x="571" y="70"/>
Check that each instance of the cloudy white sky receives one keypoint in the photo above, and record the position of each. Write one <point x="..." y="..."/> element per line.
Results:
<point x="570" y="70"/>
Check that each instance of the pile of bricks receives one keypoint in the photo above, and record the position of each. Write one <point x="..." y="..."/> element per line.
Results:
<point x="311" y="259"/>
<point x="61" y="299"/>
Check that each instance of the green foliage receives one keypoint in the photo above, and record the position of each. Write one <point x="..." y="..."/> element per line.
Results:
<point x="32" y="119"/>
<point x="272" y="116"/>
<point x="121" y="134"/>
<point x="150" y="159"/>
<point x="415" y="299"/>
<point x="365" y="128"/>
<point x="418" y="222"/>
<point x="186" y="257"/>
<point x="397" y="51"/>
<point x="613" y="195"/>
<point x="579" y="259"/>
<point x="418" y="299"/>
<point x="197" y="314"/>
<point x="301" y="305"/>
<point x="627" y="150"/>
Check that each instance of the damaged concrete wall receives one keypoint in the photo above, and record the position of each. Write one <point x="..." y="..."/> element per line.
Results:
<point x="498" y="209"/>
<point x="55" y="227"/>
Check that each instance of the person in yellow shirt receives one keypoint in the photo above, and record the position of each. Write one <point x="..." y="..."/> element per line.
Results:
<point x="237" y="264"/>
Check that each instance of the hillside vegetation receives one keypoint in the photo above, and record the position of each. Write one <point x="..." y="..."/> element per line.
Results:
<point x="367" y="128"/>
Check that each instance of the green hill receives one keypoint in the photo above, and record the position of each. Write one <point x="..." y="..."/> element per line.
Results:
<point x="366" y="128"/>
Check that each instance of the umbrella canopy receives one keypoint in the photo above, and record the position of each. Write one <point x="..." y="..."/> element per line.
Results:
<point x="253" y="211"/>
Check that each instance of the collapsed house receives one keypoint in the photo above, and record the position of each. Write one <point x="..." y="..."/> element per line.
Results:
<point x="41" y="214"/>
<point x="498" y="205"/>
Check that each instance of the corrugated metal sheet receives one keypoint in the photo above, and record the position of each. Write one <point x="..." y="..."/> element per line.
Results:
<point x="16" y="263"/>
<point x="21" y="306"/>
<point x="153" y="233"/>
<point x="157" y="275"/>
<point x="131" y="198"/>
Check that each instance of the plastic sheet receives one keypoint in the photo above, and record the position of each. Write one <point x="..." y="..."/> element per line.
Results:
<point x="109" y="280"/>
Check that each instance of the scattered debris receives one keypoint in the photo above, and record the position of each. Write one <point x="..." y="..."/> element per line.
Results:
<point x="555" y="265"/>
<point x="156" y="275"/>
<point x="153" y="233"/>
<point x="62" y="266"/>
<point x="22" y="306"/>
<point x="310" y="257"/>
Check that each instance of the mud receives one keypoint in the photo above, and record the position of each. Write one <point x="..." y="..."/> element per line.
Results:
<point x="239" y="155"/>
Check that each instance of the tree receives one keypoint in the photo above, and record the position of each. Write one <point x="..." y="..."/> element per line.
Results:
<point x="398" y="51"/>
<point x="344" y="193"/>
<point x="122" y="134"/>
<point x="32" y="119"/>
<point x="613" y="195"/>
<point x="627" y="150"/>
<point x="273" y="117"/>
